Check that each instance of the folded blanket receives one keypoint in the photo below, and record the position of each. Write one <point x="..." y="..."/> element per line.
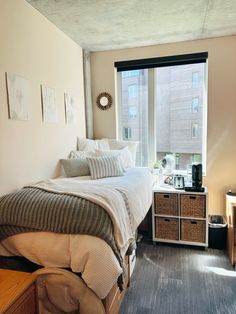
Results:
<point x="33" y="209"/>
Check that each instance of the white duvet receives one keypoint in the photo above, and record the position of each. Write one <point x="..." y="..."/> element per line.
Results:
<point x="83" y="253"/>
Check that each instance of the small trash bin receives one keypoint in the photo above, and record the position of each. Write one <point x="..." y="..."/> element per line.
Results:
<point x="217" y="228"/>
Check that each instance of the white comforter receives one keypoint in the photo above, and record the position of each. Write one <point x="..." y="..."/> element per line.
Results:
<point x="82" y="253"/>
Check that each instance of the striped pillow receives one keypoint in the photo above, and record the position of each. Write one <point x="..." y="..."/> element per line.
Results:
<point x="103" y="167"/>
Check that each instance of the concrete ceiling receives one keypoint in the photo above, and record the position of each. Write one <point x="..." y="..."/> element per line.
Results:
<point x="114" y="24"/>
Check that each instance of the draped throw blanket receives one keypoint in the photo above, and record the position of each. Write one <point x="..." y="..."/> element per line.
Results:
<point x="33" y="209"/>
<point x="40" y="208"/>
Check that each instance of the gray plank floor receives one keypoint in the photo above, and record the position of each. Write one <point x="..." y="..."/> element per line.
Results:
<point x="180" y="280"/>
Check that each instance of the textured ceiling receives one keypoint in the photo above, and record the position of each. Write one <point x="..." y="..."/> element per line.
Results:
<point x="114" y="24"/>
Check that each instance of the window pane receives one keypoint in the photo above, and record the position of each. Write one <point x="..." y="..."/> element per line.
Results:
<point x="195" y="104"/>
<point x="130" y="73"/>
<point x="133" y="91"/>
<point x="127" y="135"/>
<point x="195" y="79"/>
<point x="133" y="111"/>
<point x="195" y="130"/>
<point x="179" y="112"/>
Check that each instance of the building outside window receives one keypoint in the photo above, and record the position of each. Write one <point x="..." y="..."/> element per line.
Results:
<point x="176" y="128"/>
<point x="139" y="125"/>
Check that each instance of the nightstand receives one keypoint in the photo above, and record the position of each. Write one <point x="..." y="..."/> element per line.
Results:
<point x="179" y="217"/>
<point x="17" y="292"/>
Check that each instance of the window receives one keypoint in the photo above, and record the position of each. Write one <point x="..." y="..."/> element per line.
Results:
<point x="171" y="106"/>
<point x="130" y="73"/>
<point x="176" y="128"/>
<point x="139" y="126"/>
<point x="132" y="112"/>
<point x="127" y="133"/>
<point x="195" y="79"/>
<point x="195" y="105"/>
<point x="194" y="130"/>
<point x="132" y="91"/>
<point x="177" y="159"/>
<point x="196" y="158"/>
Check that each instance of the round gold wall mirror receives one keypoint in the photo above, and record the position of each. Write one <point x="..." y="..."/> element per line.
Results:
<point x="104" y="101"/>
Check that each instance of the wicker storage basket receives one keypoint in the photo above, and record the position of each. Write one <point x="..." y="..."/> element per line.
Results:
<point x="193" y="230"/>
<point x="193" y="205"/>
<point x="167" y="228"/>
<point x="166" y="204"/>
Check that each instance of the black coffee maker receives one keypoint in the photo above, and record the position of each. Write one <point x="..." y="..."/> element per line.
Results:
<point x="196" y="179"/>
<point x="197" y="175"/>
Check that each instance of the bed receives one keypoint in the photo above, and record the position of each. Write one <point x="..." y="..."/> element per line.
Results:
<point x="125" y="198"/>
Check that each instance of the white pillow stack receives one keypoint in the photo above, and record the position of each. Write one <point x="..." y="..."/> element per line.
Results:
<point x="74" y="154"/>
<point x="124" y="154"/>
<point x="85" y="144"/>
<point x="118" y="144"/>
<point x="87" y="148"/>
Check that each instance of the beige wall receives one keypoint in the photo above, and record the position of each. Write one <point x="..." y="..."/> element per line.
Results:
<point x="221" y="148"/>
<point x="34" y="48"/>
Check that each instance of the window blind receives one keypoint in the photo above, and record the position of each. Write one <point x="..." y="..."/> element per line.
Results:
<point x="138" y="64"/>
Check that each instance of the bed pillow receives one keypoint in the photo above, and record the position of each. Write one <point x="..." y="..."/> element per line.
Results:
<point x="124" y="154"/>
<point x="103" y="167"/>
<point x="85" y="144"/>
<point x="81" y="154"/>
<point x="132" y="146"/>
<point x="103" y="144"/>
<point x="75" y="167"/>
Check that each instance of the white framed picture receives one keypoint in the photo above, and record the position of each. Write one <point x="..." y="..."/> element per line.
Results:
<point x="18" y="91"/>
<point x="49" y="106"/>
<point x="71" y="109"/>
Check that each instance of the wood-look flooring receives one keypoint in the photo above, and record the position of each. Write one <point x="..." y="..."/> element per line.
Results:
<point x="180" y="280"/>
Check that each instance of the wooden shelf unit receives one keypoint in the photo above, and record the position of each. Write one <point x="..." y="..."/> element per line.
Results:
<point x="231" y="227"/>
<point x="180" y="217"/>
<point x="17" y="292"/>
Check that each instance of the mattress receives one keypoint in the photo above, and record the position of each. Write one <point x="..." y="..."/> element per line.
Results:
<point x="89" y="255"/>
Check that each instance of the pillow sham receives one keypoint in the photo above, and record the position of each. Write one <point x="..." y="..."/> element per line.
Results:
<point x="118" y="144"/>
<point x="81" y="154"/>
<point x="75" y="167"/>
<point x="106" y="166"/>
<point x="85" y="144"/>
<point x="103" y="144"/>
<point x="124" y="154"/>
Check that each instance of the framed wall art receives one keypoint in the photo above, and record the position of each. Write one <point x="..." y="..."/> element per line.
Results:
<point x="49" y="106"/>
<point x="71" y="109"/>
<point x="18" y="92"/>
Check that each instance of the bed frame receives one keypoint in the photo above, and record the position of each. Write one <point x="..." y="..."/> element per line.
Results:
<point x="49" y="278"/>
<point x="114" y="298"/>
